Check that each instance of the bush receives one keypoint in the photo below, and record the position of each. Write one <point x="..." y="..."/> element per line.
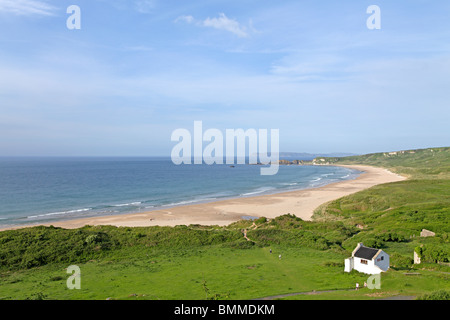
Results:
<point x="433" y="253"/>
<point x="437" y="295"/>
<point x="287" y="221"/>
<point x="240" y="244"/>
<point x="261" y="220"/>
<point x="399" y="261"/>
<point x="93" y="238"/>
<point x="391" y="237"/>
<point x="293" y="237"/>
<point x="373" y="243"/>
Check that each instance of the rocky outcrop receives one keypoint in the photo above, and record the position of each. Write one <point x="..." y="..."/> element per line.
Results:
<point x="284" y="162"/>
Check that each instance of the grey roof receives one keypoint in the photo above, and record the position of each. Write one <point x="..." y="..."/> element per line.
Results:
<point x="366" y="253"/>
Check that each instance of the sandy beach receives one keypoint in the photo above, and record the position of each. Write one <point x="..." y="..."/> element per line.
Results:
<point x="301" y="203"/>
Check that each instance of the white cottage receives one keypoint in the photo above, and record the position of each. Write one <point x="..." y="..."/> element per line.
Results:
<point x="367" y="260"/>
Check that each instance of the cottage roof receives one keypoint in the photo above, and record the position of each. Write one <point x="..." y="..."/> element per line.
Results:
<point x="366" y="252"/>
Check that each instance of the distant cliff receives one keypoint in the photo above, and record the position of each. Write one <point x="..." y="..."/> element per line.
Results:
<point x="294" y="162"/>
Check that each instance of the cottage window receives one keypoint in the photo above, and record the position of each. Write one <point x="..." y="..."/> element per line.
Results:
<point x="363" y="261"/>
<point x="382" y="258"/>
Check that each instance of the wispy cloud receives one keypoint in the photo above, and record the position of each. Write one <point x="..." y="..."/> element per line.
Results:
<point x="315" y="66"/>
<point x="187" y="19"/>
<point x="221" y="23"/>
<point x="141" y="6"/>
<point x="224" y="23"/>
<point x="27" y="7"/>
<point x="145" y="6"/>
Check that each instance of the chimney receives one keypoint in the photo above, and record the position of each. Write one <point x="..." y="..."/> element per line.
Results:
<point x="360" y="244"/>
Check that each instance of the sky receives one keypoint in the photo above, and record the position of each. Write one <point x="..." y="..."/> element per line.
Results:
<point x="137" y="70"/>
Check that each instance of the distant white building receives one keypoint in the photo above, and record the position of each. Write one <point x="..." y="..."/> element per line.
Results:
<point x="367" y="260"/>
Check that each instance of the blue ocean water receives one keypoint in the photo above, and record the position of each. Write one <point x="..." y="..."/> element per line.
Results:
<point x="35" y="190"/>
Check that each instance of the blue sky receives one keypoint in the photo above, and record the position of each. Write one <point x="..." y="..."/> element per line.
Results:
<point x="139" y="69"/>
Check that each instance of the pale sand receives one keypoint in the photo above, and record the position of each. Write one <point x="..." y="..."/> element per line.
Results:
<point x="301" y="203"/>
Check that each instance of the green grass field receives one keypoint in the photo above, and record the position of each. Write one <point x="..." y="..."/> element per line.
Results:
<point x="216" y="273"/>
<point x="210" y="262"/>
<point x="226" y="273"/>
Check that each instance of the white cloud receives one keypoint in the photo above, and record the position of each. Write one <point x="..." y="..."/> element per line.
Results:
<point x="27" y="7"/>
<point x="224" y="23"/>
<point x="221" y="23"/>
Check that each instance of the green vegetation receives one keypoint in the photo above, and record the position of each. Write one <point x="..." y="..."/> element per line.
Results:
<point x="431" y="163"/>
<point x="211" y="262"/>
<point x="397" y="212"/>
<point x="438" y="295"/>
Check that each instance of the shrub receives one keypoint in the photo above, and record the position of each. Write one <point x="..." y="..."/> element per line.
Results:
<point x="261" y="220"/>
<point x="399" y="261"/>
<point x="93" y="238"/>
<point x="240" y="244"/>
<point x="373" y="243"/>
<point x="433" y="253"/>
<point x="437" y="295"/>
<point x="391" y="237"/>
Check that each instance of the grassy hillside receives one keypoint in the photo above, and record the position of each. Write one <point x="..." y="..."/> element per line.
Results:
<point x="193" y="262"/>
<point x="422" y="201"/>
<point x="175" y="263"/>
<point x="431" y="163"/>
<point x="211" y="262"/>
<point x="397" y="212"/>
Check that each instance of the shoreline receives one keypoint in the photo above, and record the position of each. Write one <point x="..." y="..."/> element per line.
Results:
<point x="301" y="203"/>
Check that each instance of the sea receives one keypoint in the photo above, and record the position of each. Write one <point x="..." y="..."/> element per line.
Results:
<point x="44" y="190"/>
